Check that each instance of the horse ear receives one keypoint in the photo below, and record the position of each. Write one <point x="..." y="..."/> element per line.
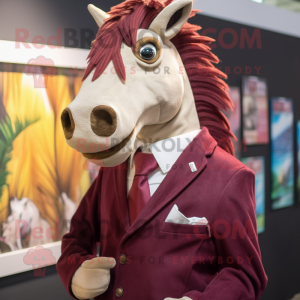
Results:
<point x="171" y="19"/>
<point x="98" y="14"/>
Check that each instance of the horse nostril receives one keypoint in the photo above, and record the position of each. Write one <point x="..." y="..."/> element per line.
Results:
<point x="103" y="120"/>
<point x="67" y="123"/>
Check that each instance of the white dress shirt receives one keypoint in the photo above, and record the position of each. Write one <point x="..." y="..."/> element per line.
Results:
<point x="166" y="153"/>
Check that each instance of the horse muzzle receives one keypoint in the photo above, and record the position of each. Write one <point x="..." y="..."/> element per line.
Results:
<point x="103" y="121"/>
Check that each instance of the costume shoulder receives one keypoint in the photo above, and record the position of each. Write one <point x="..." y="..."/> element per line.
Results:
<point x="227" y="163"/>
<point x="235" y="185"/>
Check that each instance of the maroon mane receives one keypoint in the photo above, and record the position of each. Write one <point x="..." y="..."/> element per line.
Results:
<point x="210" y="91"/>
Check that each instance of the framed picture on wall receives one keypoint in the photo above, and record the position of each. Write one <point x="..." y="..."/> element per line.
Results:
<point x="257" y="164"/>
<point x="234" y="118"/>
<point x="255" y="110"/>
<point x="282" y="152"/>
<point x="298" y="157"/>
<point x="42" y="180"/>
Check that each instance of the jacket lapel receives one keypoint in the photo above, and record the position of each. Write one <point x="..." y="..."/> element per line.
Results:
<point x="179" y="177"/>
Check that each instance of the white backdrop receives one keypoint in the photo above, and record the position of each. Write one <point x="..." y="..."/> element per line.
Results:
<point x="251" y="13"/>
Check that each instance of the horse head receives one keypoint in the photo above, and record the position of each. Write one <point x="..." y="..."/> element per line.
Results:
<point x="136" y="86"/>
<point x="17" y="207"/>
<point x="24" y="211"/>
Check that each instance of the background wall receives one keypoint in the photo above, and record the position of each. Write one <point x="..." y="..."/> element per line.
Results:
<point x="277" y="60"/>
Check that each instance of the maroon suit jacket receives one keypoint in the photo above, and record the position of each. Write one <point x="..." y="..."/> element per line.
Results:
<point x="221" y="261"/>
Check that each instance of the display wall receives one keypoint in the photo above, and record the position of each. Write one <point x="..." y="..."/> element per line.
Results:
<point x="272" y="56"/>
<point x="278" y="61"/>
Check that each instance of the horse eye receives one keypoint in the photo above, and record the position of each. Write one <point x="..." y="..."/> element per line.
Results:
<point x="148" y="52"/>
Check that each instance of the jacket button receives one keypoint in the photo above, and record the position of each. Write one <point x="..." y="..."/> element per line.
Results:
<point x="119" y="292"/>
<point x="123" y="259"/>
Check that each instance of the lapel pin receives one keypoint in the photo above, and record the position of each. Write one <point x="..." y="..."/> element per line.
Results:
<point x="193" y="167"/>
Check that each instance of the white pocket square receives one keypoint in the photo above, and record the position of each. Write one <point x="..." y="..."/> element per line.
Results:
<point x="175" y="216"/>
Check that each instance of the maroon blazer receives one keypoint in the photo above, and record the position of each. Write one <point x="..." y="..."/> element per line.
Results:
<point x="221" y="261"/>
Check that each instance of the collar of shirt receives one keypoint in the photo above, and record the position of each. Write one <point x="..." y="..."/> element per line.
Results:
<point x="166" y="152"/>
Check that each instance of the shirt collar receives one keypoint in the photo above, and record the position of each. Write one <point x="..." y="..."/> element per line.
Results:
<point x="166" y="152"/>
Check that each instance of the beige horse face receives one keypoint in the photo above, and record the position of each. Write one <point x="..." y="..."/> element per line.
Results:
<point x="107" y="115"/>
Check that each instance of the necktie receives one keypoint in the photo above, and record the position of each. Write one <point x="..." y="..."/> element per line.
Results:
<point x="139" y="193"/>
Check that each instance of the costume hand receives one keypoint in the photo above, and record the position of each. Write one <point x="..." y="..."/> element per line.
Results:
<point x="92" y="278"/>
<point x="184" y="298"/>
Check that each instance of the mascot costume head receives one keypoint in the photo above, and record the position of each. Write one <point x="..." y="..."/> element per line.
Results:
<point x="150" y="76"/>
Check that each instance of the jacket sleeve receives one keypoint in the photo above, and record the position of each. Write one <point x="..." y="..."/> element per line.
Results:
<point x="79" y="244"/>
<point x="240" y="271"/>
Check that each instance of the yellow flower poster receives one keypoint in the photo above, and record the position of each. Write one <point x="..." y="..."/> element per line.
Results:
<point x="42" y="179"/>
